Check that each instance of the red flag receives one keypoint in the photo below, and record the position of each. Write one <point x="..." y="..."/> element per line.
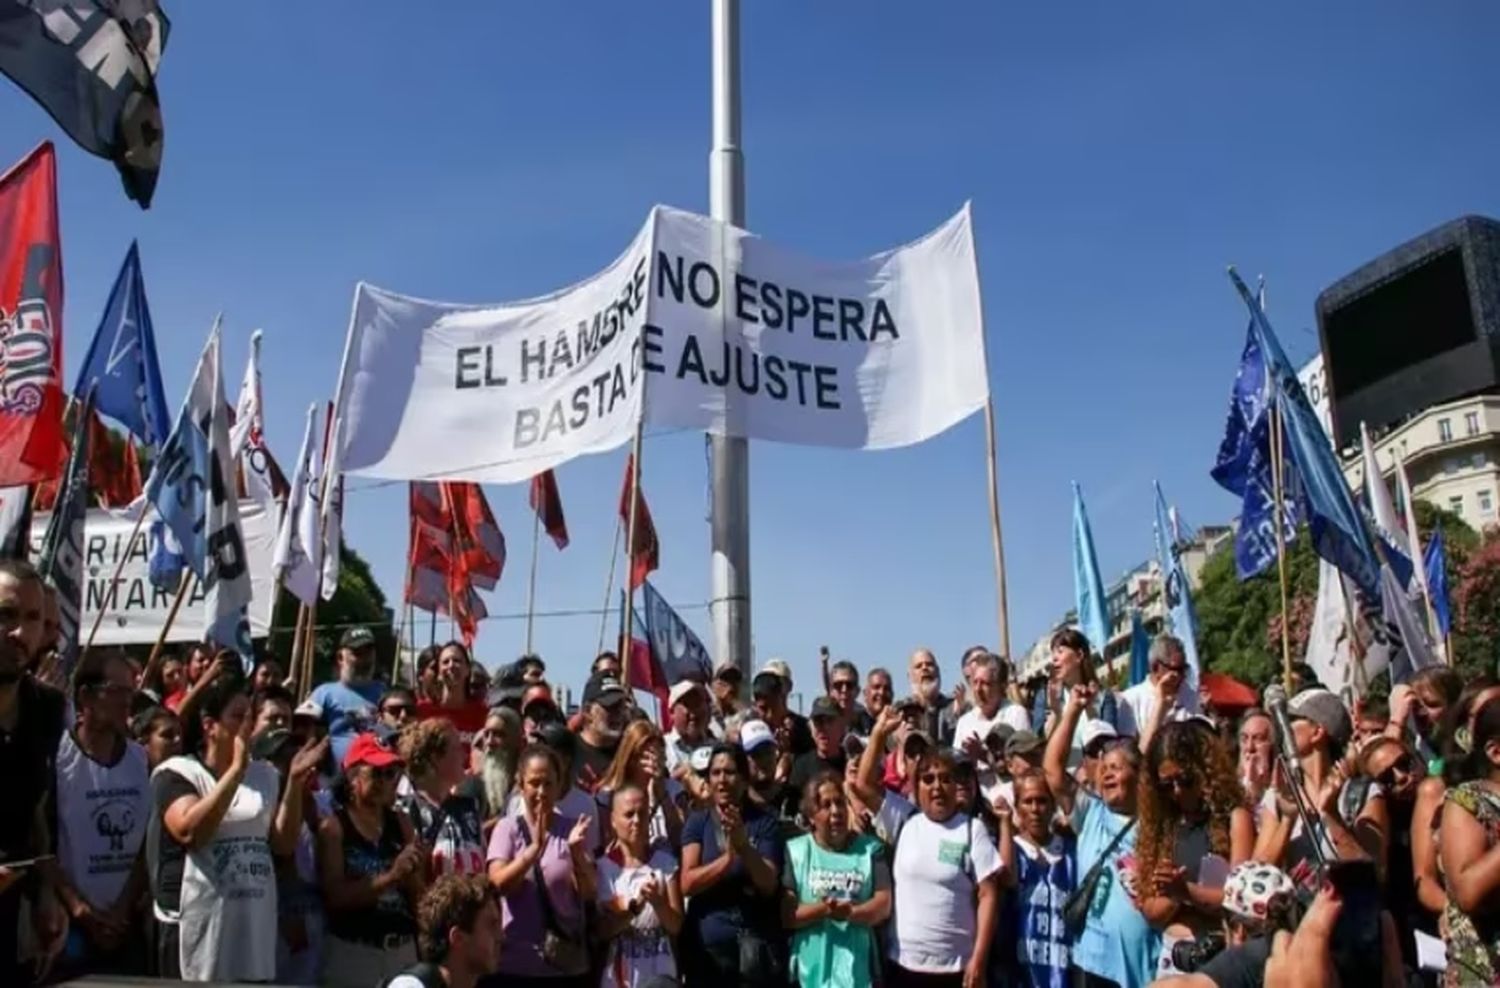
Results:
<point x="547" y="504"/>
<point x="132" y="466"/>
<point x="645" y="550"/>
<point x="32" y="446"/>
<point x="111" y="476"/>
<point x="477" y="537"/>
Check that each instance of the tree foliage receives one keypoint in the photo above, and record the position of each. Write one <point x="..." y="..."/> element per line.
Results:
<point x="1239" y="622"/>
<point x="358" y="601"/>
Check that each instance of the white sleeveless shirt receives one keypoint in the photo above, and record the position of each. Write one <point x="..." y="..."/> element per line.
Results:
<point x="102" y="813"/>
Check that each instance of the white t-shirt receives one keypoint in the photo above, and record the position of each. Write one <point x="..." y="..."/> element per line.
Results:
<point x="937" y="868"/>
<point x="1137" y="704"/>
<point x="102" y="811"/>
<point x="644" y="950"/>
<point x="974" y="724"/>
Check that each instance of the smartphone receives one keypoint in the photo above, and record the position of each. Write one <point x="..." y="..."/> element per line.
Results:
<point x="1356" y="943"/>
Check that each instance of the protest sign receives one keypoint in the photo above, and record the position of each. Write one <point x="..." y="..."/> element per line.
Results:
<point x="136" y="612"/>
<point x="735" y="336"/>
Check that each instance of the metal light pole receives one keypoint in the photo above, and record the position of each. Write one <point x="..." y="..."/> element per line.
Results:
<point x="729" y="458"/>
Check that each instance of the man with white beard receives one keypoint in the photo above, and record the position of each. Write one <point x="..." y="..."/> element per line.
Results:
<point x="492" y="765"/>
<point x="939" y="718"/>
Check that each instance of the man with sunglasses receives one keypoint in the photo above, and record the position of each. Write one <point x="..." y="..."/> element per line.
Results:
<point x="843" y="690"/>
<point x="103" y="804"/>
<point x="398" y="708"/>
<point x="1168" y="677"/>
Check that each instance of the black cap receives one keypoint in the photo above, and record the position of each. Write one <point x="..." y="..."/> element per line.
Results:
<point x="766" y="684"/>
<point x="356" y="638"/>
<point x="917" y="740"/>
<point x="824" y="707"/>
<point x="906" y="703"/>
<point x="530" y="660"/>
<point x="556" y="736"/>
<point x="604" y="689"/>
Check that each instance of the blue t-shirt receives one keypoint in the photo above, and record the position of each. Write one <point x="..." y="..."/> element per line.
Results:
<point x="347" y="711"/>
<point x="1116" y="942"/>
<point x="1042" y="886"/>
<point x="720" y="913"/>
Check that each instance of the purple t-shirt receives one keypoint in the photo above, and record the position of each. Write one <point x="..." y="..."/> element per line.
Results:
<point x="521" y="909"/>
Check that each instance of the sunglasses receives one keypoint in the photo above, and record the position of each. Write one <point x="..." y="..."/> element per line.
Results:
<point x="839" y="685"/>
<point x="938" y="779"/>
<point x="398" y="709"/>
<point x="1404" y="765"/>
<point x="1179" y="782"/>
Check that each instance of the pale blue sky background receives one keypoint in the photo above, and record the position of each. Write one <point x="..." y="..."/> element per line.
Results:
<point x="1118" y="156"/>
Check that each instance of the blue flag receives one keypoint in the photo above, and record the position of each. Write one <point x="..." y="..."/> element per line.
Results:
<point x="1181" y="620"/>
<point x="1140" y="649"/>
<point x="1244" y="466"/>
<point x="673" y="644"/>
<point x="1088" y="589"/>
<point x="121" y="362"/>
<point x="192" y="489"/>
<point x="1436" y="562"/>
<point x="1313" y="481"/>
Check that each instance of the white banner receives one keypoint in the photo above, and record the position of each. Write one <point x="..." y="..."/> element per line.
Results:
<point x="736" y="337"/>
<point x="138" y="610"/>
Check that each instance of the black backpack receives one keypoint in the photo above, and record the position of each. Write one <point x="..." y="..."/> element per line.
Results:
<point x="429" y="974"/>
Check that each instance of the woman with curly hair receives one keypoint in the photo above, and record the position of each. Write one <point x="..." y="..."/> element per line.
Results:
<point x="1194" y="827"/>
<point x="449" y="821"/>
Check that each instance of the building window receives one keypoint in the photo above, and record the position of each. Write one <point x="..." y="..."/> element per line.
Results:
<point x="1471" y="423"/>
<point x="1486" y="503"/>
<point x="1445" y="431"/>
<point x="1450" y="464"/>
<point x="1456" y="505"/>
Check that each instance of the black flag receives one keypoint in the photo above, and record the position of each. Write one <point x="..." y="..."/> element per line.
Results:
<point x="92" y="65"/>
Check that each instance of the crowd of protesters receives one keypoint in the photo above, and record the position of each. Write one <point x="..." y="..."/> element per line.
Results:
<point x="192" y="822"/>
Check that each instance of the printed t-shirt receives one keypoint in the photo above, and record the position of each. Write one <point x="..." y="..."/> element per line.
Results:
<point x="102" y="811"/>
<point x="1116" y="941"/>
<point x="347" y="711"/>
<point x="937" y="868"/>
<point x="643" y="950"/>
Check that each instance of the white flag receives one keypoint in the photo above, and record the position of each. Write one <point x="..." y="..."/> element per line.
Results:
<point x="1387" y="523"/>
<point x="294" y="566"/>
<point x="698" y="325"/>
<point x="14" y="516"/>
<point x="1414" y="550"/>
<point x="1330" y="639"/>
<point x="332" y="522"/>
<point x="247" y="442"/>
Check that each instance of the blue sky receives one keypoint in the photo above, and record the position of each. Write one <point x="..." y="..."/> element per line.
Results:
<point x="1118" y="156"/>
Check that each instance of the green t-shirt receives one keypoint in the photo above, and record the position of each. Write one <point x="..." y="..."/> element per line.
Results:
<point x="835" y="953"/>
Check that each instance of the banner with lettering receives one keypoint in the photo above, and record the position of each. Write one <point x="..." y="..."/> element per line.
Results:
<point x="136" y="612"/>
<point x="705" y="326"/>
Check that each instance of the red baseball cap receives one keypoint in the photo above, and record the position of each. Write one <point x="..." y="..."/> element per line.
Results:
<point x="369" y="750"/>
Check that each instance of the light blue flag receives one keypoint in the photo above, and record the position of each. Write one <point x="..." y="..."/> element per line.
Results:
<point x="1088" y="589"/>
<point x="1313" y="478"/>
<point x="1140" y="649"/>
<point x="1181" y="620"/>
<point x="192" y="489"/>
<point x="121" y="363"/>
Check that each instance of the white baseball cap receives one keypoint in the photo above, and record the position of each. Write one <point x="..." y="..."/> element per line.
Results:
<point x="1096" y="729"/>
<point x="780" y="668"/>
<point x="681" y="690"/>
<point x="755" y="733"/>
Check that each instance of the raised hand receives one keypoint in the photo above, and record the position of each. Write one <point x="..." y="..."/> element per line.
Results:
<point x="305" y="762"/>
<point x="579" y="833"/>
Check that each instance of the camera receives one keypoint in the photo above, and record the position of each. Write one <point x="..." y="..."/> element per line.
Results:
<point x="1189" y="955"/>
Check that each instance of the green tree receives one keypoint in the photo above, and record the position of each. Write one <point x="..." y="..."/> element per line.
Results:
<point x="1239" y="621"/>
<point x="358" y="601"/>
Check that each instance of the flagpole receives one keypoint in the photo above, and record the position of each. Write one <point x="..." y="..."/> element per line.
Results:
<point x="294" y="664"/>
<point x="161" y="639"/>
<point x="627" y="612"/>
<point x="1279" y="496"/>
<point x="536" y="531"/>
<point x="609" y="586"/>
<point x="997" y="543"/>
